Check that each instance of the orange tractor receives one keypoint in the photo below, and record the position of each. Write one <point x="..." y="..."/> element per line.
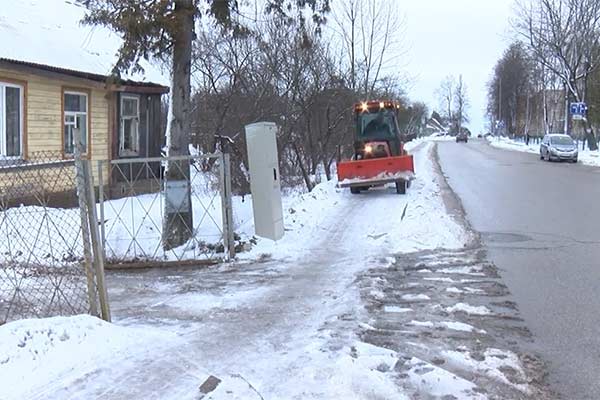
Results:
<point x="379" y="156"/>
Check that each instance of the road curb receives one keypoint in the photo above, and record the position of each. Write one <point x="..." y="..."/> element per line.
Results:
<point x="452" y="202"/>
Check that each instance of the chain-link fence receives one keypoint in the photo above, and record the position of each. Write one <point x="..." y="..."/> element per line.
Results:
<point x="151" y="213"/>
<point x="47" y="263"/>
<point x="58" y="226"/>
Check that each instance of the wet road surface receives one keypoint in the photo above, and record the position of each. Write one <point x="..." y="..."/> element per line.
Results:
<point x="540" y="222"/>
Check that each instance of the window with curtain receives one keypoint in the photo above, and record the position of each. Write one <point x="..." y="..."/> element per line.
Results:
<point x="75" y="121"/>
<point x="11" y="120"/>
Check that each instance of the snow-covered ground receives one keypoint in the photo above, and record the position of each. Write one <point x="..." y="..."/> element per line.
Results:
<point x="283" y="322"/>
<point x="586" y="156"/>
<point x="46" y="350"/>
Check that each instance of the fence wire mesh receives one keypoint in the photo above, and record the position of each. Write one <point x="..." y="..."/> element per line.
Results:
<point x="42" y="264"/>
<point x="137" y="197"/>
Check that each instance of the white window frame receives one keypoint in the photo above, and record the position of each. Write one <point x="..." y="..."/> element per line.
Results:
<point x="122" y="118"/>
<point x="3" y="120"/>
<point x="74" y="114"/>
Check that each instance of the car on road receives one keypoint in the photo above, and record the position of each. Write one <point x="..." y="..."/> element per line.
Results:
<point x="558" y="147"/>
<point x="462" y="137"/>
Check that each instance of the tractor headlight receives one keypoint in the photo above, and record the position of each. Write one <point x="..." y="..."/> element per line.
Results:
<point x="368" y="148"/>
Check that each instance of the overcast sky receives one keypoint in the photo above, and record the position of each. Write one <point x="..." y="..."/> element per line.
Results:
<point x="455" y="37"/>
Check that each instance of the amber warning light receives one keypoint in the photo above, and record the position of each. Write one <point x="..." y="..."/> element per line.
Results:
<point x="374" y="106"/>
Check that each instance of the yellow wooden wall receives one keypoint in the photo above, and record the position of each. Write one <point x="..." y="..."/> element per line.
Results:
<point x="43" y="96"/>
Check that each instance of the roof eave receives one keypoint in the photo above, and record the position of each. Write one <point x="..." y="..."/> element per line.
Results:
<point x="94" y="80"/>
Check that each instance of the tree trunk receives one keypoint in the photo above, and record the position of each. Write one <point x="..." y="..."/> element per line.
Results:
<point x="326" y="167"/>
<point x="545" y="105"/>
<point x="178" y="224"/>
<point x="305" y="175"/>
<point x="589" y="131"/>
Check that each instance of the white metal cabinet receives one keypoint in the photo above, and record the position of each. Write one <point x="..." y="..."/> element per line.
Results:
<point x="261" y="142"/>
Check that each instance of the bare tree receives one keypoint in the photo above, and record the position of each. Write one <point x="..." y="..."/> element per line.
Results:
<point x="445" y="94"/>
<point x="511" y="88"/>
<point x="280" y="73"/>
<point x="372" y="34"/>
<point x="412" y="119"/>
<point x="461" y="104"/>
<point x="563" y="36"/>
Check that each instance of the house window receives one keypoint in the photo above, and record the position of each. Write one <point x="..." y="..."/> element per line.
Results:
<point x="75" y="121"/>
<point x="11" y="119"/>
<point x="130" y="126"/>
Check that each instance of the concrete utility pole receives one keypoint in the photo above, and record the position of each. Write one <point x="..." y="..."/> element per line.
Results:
<point x="500" y="101"/>
<point x="566" y="128"/>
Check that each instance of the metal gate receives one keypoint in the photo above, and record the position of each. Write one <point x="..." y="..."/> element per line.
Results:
<point x="135" y="196"/>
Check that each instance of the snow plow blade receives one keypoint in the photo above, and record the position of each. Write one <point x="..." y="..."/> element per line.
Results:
<point x="375" y="171"/>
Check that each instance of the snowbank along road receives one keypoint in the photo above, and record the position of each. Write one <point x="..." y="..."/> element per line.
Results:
<point x="371" y="296"/>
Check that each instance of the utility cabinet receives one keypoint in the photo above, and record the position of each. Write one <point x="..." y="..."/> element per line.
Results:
<point x="261" y="142"/>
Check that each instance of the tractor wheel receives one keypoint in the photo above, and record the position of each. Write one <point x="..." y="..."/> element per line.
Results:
<point x="401" y="187"/>
<point x="354" y="190"/>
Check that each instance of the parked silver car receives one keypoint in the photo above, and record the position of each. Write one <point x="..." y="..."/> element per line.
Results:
<point x="558" y="147"/>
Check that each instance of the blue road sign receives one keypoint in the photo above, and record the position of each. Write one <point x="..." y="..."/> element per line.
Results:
<point x="579" y="109"/>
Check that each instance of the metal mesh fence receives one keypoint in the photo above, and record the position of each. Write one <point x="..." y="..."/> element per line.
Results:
<point x="42" y="256"/>
<point x="137" y="197"/>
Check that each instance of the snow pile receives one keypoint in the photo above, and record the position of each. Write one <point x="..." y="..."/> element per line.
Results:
<point x="415" y="297"/>
<point x="437" y="382"/>
<point x="48" y="348"/>
<point x="364" y="373"/>
<point x="586" y="156"/>
<point x="356" y="371"/>
<point x="384" y="176"/>
<point x="48" y="32"/>
<point x="469" y="309"/>
<point x="458" y="326"/>
<point x="494" y="363"/>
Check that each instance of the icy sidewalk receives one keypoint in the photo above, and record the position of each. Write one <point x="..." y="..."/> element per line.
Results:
<point x="281" y="324"/>
<point x="586" y="157"/>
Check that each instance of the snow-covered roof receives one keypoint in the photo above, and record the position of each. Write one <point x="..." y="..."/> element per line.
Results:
<point x="49" y="33"/>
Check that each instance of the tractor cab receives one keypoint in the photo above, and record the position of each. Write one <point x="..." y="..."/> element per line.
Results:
<point x="379" y="157"/>
<point x="377" y="134"/>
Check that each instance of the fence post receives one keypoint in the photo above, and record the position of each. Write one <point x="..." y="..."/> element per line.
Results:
<point x="101" y="203"/>
<point x="227" y="209"/>
<point x="85" y="233"/>
<point x="97" y="247"/>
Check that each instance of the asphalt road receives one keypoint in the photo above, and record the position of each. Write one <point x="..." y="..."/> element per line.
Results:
<point x="541" y="224"/>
